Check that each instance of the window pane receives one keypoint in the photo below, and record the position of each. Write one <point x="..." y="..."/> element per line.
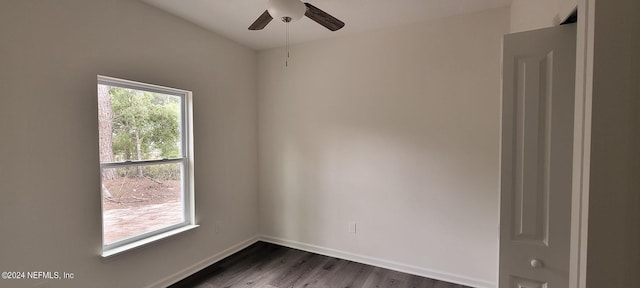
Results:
<point x="140" y="198"/>
<point x="138" y="125"/>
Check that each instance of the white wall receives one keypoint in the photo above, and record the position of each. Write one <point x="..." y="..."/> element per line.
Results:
<point x="533" y="14"/>
<point x="537" y="14"/>
<point x="50" y="54"/>
<point x="613" y="255"/>
<point x="397" y="130"/>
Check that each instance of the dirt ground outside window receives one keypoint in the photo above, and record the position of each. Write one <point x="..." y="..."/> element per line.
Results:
<point x="139" y="205"/>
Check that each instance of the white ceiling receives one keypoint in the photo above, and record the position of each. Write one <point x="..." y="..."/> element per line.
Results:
<point x="231" y="18"/>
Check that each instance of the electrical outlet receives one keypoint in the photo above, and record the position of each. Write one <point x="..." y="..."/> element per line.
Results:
<point x="352" y="227"/>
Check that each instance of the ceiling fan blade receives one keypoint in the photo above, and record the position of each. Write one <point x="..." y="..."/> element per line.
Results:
<point x="323" y="18"/>
<point x="262" y="21"/>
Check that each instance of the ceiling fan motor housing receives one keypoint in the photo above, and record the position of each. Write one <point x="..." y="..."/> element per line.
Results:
<point x="291" y="10"/>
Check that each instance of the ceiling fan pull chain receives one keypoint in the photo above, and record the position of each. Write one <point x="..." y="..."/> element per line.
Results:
<point x="286" y="61"/>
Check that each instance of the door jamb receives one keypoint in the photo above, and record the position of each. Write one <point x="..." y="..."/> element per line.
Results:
<point x="582" y="144"/>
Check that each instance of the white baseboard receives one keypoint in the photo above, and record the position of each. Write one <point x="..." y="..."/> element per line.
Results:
<point x="433" y="274"/>
<point x="184" y="273"/>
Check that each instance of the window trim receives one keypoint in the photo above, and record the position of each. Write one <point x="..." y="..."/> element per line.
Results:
<point x="186" y="161"/>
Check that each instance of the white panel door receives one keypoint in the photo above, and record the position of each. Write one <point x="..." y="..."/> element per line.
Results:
<point x="536" y="157"/>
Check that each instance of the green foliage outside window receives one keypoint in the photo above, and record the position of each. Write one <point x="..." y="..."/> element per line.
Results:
<point x="145" y="126"/>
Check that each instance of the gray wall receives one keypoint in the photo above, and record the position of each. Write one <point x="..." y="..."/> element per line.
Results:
<point x="50" y="54"/>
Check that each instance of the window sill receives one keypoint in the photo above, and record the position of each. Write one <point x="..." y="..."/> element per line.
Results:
<point x="145" y="241"/>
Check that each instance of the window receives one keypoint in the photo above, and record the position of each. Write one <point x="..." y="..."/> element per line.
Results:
<point x="145" y="163"/>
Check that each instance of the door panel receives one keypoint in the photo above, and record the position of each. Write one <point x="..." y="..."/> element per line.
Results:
<point x="531" y="191"/>
<point x="517" y="282"/>
<point x="536" y="157"/>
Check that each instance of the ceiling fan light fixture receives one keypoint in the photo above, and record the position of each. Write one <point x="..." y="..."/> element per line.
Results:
<point x="293" y="10"/>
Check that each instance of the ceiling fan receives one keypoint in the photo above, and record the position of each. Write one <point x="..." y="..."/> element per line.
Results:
<point x="293" y="10"/>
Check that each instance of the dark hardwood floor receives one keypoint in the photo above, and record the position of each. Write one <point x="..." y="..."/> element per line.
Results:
<point x="273" y="266"/>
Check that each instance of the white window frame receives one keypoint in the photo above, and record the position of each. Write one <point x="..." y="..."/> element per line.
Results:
<point x="186" y="161"/>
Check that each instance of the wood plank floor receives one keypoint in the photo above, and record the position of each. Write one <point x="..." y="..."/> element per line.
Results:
<point x="273" y="266"/>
